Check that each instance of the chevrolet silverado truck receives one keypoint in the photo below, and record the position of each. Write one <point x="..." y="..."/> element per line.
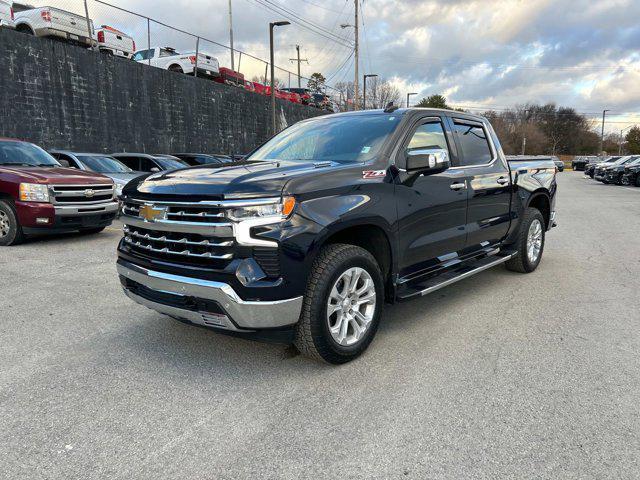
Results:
<point x="308" y="236"/>
<point x="38" y="196"/>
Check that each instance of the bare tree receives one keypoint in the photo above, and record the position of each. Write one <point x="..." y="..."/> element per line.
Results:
<point x="384" y="93"/>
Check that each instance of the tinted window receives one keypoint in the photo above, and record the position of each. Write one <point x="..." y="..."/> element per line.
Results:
<point x="104" y="164"/>
<point x="146" y="165"/>
<point x="27" y="154"/>
<point x="131" y="162"/>
<point x="143" y="55"/>
<point x="170" y="163"/>
<point x="167" y="53"/>
<point x="343" y="139"/>
<point x="428" y="135"/>
<point x="474" y="144"/>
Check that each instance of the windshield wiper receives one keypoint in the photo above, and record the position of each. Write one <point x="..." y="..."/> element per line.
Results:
<point x="22" y="164"/>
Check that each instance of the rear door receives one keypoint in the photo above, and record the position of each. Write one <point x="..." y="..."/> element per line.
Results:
<point x="488" y="179"/>
<point x="432" y="209"/>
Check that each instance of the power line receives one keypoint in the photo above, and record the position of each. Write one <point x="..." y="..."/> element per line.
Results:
<point x="294" y="18"/>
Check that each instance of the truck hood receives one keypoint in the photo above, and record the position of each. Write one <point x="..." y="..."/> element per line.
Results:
<point x="250" y="179"/>
<point x="55" y="175"/>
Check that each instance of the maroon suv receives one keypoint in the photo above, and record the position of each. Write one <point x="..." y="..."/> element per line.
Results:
<point x="38" y="195"/>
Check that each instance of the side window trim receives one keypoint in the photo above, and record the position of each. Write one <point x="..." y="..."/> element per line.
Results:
<point x="402" y="145"/>
<point x="463" y="121"/>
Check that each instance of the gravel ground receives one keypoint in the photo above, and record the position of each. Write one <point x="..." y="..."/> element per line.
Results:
<point x="502" y="375"/>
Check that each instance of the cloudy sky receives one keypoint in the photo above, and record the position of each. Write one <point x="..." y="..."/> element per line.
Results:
<point x="479" y="54"/>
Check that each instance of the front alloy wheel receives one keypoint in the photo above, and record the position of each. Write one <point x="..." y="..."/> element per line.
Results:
<point x="351" y="306"/>
<point x="342" y="304"/>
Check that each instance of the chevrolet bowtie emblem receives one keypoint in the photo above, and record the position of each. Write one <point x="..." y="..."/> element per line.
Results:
<point x="89" y="193"/>
<point x="151" y="213"/>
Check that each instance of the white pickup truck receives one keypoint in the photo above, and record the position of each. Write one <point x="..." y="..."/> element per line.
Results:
<point x="57" y="23"/>
<point x="168" y="59"/>
<point x="6" y="14"/>
<point x="114" y="42"/>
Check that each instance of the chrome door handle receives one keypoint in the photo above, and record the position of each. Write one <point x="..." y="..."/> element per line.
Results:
<point x="503" y="181"/>
<point x="458" y="186"/>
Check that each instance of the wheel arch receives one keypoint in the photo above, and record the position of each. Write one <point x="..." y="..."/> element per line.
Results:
<point x="541" y="199"/>
<point x="367" y="234"/>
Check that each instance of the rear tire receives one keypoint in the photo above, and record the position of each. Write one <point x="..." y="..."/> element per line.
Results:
<point x="25" y="29"/>
<point x="530" y="243"/>
<point x="638" y="180"/>
<point x="10" y="229"/>
<point x="342" y="334"/>
<point x="176" y="68"/>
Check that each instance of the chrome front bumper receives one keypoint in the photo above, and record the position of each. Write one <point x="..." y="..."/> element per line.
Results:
<point x="86" y="209"/>
<point x="240" y="315"/>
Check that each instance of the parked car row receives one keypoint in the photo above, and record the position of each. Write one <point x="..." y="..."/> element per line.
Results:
<point x="580" y="163"/>
<point x="63" y="25"/>
<point x="61" y="191"/>
<point x="616" y="170"/>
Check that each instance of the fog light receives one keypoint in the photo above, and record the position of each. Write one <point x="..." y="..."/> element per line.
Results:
<point x="249" y="271"/>
<point x="42" y="221"/>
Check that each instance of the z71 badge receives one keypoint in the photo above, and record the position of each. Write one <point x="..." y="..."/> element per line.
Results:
<point x="374" y="173"/>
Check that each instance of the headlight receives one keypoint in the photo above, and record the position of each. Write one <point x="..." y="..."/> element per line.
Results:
<point x="278" y="210"/>
<point x="119" y="187"/>
<point x="34" y="192"/>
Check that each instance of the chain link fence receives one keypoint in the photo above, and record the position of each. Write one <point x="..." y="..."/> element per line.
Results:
<point x="148" y="33"/>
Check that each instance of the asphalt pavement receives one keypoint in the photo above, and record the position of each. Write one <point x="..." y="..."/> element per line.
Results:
<point x="503" y="375"/>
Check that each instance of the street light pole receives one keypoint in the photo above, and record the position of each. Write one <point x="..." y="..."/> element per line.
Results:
<point x="273" y="74"/>
<point x="604" y="113"/>
<point x="622" y="130"/>
<point x="364" y="89"/>
<point x="231" y="36"/>
<point x="357" y="78"/>
<point x="408" y="95"/>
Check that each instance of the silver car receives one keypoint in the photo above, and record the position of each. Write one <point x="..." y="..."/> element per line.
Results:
<point x="100" y="163"/>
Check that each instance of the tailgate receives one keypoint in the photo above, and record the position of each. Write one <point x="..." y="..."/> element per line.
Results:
<point x="208" y="62"/>
<point x="69" y="22"/>
<point x="118" y="41"/>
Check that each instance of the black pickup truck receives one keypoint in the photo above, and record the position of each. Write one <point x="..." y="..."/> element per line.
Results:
<point x="308" y="237"/>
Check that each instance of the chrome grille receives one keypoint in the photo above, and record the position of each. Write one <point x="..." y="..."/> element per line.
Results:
<point x="175" y="244"/>
<point x="181" y="213"/>
<point x="81" y="194"/>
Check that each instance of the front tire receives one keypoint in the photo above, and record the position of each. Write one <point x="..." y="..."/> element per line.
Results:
<point x="342" y="305"/>
<point x="10" y="229"/>
<point x="530" y="243"/>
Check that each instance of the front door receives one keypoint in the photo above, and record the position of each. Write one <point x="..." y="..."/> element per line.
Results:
<point x="432" y="209"/>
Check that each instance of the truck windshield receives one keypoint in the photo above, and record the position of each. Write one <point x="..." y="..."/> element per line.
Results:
<point x="342" y="139"/>
<point x="104" y="164"/>
<point x="25" y="154"/>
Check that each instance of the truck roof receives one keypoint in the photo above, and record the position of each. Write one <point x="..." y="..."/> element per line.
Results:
<point x="406" y="111"/>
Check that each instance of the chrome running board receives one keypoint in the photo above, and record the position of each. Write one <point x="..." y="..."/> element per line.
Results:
<point x="449" y="278"/>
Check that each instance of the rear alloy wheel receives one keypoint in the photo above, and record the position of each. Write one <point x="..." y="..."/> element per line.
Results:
<point x="530" y="243"/>
<point x="10" y="229"/>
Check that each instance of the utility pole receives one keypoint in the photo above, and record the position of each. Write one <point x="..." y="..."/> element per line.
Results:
<point x="298" y="61"/>
<point x="357" y="53"/>
<point x="604" y="114"/>
<point x="231" y="36"/>
<point x="273" y="74"/>
<point x="524" y="132"/>
<point x="86" y="11"/>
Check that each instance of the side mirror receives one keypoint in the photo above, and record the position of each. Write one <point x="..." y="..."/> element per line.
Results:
<point x="64" y="163"/>
<point x="154" y="169"/>
<point x="427" y="161"/>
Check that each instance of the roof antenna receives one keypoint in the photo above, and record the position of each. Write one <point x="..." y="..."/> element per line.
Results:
<point x="390" y="108"/>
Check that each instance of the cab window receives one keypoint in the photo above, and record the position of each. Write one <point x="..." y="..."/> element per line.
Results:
<point x="474" y="143"/>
